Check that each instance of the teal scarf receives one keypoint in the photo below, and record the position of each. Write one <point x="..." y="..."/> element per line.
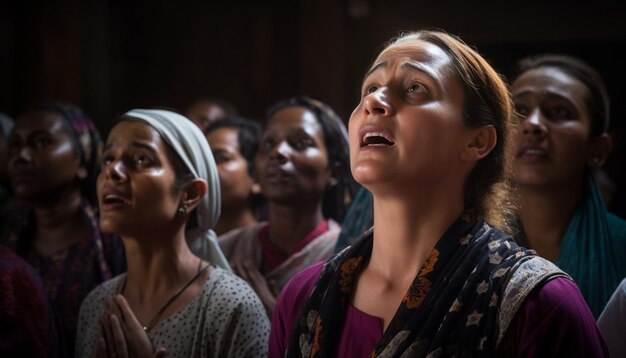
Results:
<point x="593" y="251"/>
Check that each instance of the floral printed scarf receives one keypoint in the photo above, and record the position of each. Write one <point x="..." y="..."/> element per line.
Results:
<point x="451" y="307"/>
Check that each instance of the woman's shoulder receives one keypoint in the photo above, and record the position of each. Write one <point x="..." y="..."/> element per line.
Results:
<point x="231" y="242"/>
<point x="226" y="291"/>
<point x="555" y="320"/>
<point x="295" y="293"/>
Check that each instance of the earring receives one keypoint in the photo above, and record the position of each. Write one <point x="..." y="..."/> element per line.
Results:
<point x="182" y="210"/>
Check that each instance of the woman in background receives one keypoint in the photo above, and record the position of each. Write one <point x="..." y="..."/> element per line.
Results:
<point x="560" y="140"/>
<point x="159" y="190"/>
<point x="54" y="159"/>
<point x="302" y="166"/>
<point x="234" y="142"/>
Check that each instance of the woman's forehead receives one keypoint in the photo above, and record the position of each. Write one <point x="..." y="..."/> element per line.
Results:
<point x="418" y="50"/>
<point x="134" y="130"/>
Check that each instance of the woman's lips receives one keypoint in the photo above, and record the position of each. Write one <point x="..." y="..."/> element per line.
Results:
<point x="532" y="154"/>
<point x="276" y="175"/>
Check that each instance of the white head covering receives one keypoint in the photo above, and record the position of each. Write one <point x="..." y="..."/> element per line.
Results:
<point x="192" y="148"/>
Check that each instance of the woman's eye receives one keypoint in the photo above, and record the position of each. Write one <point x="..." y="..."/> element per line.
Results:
<point x="301" y="144"/>
<point x="106" y="160"/>
<point x="558" y="112"/>
<point x="521" y="110"/>
<point x="14" y="144"/>
<point x="221" y="158"/>
<point x="267" y="144"/>
<point x="416" y="87"/>
<point x="143" y="160"/>
<point x="370" y="89"/>
<point x="40" y="142"/>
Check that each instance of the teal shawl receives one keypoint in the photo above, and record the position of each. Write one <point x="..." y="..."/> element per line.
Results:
<point x="593" y="251"/>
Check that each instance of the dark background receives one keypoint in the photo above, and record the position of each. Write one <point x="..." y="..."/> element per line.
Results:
<point x="111" y="56"/>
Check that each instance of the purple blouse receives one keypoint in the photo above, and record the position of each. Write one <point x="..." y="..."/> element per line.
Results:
<point x="553" y="321"/>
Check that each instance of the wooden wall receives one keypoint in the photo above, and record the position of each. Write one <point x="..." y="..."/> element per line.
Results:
<point x="110" y="56"/>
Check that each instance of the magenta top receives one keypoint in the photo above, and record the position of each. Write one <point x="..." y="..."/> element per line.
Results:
<point x="553" y="321"/>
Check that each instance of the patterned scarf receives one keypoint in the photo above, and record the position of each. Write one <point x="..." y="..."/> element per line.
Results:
<point x="451" y="307"/>
<point x="590" y="253"/>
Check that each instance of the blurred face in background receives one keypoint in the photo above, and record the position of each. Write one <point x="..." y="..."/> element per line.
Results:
<point x="553" y="136"/>
<point x="292" y="160"/>
<point x="43" y="161"/>
<point x="236" y="183"/>
<point x="204" y="113"/>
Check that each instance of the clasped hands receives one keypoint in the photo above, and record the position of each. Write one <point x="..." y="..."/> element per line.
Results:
<point x="121" y="335"/>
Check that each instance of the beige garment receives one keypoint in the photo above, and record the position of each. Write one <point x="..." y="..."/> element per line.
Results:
<point x="243" y="244"/>
<point x="226" y="319"/>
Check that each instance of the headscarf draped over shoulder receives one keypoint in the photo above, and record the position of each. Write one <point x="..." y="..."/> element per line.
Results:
<point x="191" y="146"/>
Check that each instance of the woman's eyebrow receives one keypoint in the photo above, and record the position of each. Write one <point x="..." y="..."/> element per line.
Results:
<point x="374" y="68"/>
<point x="428" y="70"/>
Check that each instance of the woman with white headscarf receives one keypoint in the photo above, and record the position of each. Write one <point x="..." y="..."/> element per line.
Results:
<point x="159" y="190"/>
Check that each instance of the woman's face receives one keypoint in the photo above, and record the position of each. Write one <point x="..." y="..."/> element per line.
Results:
<point x="136" y="187"/>
<point x="551" y="140"/>
<point x="292" y="160"/>
<point x="43" y="162"/>
<point x="236" y="184"/>
<point x="408" y="127"/>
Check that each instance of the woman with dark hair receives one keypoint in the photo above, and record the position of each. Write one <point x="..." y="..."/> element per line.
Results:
<point x="54" y="158"/>
<point x="561" y="139"/>
<point x="234" y="142"/>
<point x="159" y="191"/>
<point x="302" y="166"/>
<point x="435" y="276"/>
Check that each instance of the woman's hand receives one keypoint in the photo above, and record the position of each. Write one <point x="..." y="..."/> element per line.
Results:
<point x="267" y="291"/>
<point x="121" y="335"/>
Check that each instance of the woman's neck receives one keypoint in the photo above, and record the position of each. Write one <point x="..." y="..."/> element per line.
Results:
<point x="60" y="224"/>
<point x="234" y="219"/>
<point x="156" y="266"/>
<point x="545" y="214"/>
<point x="406" y="230"/>
<point x="289" y="225"/>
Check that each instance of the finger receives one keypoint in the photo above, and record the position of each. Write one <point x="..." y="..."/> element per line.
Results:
<point x="108" y="335"/>
<point x="129" y="317"/>
<point x="114" y="307"/>
<point x="100" y="345"/>
<point x="101" y="348"/>
<point x="160" y="353"/>
<point x="119" y="338"/>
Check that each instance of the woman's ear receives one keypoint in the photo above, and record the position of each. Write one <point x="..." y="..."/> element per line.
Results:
<point x="335" y="174"/>
<point x="480" y="143"/>
<point x="256" y="188"/>
<point x="193" y="193"/>
<point x="599" y="149"/>
<point x="81" y="173"/>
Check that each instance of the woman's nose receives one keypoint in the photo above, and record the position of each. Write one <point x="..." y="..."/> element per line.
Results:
<point x="280" y="152"/>
<point x="377" y="102"/>
<point x="534" y="123"/>
<point x="115" y="171"/>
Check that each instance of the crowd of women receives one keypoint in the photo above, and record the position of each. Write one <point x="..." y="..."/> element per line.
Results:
<point x="456" y="215"/>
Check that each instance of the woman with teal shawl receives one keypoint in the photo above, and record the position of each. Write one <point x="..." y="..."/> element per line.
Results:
<point x="561" y="139"/>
